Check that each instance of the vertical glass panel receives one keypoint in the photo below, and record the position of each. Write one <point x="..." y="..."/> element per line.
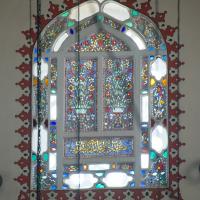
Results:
<point x="44" y="69"/>
<point x="144" y="161"/>
<point x="53" y="90"/>
<point x="117" y="179"/>
<point x="53" y="136"/>
<point x="159" y="95"/>
<point x="52" y="161"/>
<point x="81" y="95"/>
<point x="53" y="107"/>
<point x="145" y="108"/>
<point x="34" y="140"/>
<point x="118" y="94"/>
<point x="117" y="11"/>
<point x="145" y="75"/>
<point x="43" y="140"/>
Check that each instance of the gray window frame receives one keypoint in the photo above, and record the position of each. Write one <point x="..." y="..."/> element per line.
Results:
<point x="137" y="57"/>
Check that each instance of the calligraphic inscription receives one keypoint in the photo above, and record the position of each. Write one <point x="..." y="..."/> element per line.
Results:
<point x="99" y="147"/>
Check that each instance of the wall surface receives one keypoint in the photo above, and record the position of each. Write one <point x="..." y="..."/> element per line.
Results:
<point x="14" y="17"/>
<point x="190" y="31"/>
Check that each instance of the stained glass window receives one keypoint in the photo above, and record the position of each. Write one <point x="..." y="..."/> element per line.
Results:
<point x="102" y="41"/>
<point x="99" y="147"/>
<point x="103" y="114"/>
<point x="84" y="86"/>
<point x="118" y="94"/>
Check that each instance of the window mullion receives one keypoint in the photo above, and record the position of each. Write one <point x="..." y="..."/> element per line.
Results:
<point x="100" y="78"/>
<point x="61" y="119"/>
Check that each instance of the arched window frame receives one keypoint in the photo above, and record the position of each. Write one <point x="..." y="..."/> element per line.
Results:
<point x="166" y="31"/>
<point x="53" y="101"/>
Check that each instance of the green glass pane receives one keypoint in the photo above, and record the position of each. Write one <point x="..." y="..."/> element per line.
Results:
<point x="100" y="18"/>
<point x="65" y="14"/>
<point x="165" y="154"/>
<point x="100" y="185"/>
<point x="129" y="24"/>
<point x="163" y="180"/>
<point x="46" y="156"/>
<point x="70" y="23"/>
<point x="134" y="13"/>
<point x="34" y="157"/>
<point x="153" y="155"/>
<point x="53" y="91"/>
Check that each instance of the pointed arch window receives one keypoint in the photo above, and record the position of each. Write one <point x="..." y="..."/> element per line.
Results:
<point x="103" y="101"/>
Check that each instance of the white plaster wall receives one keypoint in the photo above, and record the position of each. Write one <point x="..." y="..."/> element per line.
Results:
<point x="190" y="35"/>
<point x="14" y="17"/>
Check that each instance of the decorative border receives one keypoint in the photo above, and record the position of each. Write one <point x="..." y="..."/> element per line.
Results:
<point x="24" y="131"/>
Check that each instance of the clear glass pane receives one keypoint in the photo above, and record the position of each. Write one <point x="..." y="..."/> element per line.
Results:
<point x="53" y="107"/>
<point x="43" y="140"/>
<point x="159" y="139"/>
<point x="97" y="167"/>
<point x="117" y="179"/>
<point x="52" y="161"/>
<point x="80" y="181"/>
<point x="144" y="161"/>
<point x="116" y="10"/>
<point x="85" y="10"/>
<point x="59" y="41"/>
<point x="145" y="108"/>
<point x="43" y="69"/>
<point x="158" y="68"/>
<point x="136" y="39"/>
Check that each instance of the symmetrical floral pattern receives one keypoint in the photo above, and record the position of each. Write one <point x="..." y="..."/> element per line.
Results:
<point x="173" y="191"/>
<point x="86" y="107"/>
<point x="118" y="94"/>
<point x="103" y="42"/>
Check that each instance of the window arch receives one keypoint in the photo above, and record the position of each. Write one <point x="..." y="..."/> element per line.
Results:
<point x="120" y="76"/>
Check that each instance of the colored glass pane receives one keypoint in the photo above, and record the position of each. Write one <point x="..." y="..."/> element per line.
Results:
<point x="99" y="147"/>
<point x="81" y="89"/>
<point x="159" y="107"/>
<point x="53" y="91"/>
<point x="118" y="94"/>
<point x="145" y="74"/>
<point x="99" y="42"/>
<point x="157" y="175"/>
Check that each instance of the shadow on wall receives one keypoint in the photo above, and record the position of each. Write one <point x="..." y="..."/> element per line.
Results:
<point x="193" y="173"/>
<point x="1" y="180"/>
